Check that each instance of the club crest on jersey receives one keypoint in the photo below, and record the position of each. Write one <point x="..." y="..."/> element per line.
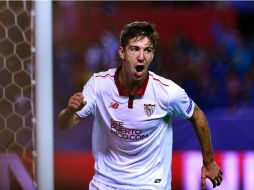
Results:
<point x="149" y="109"/>
<point x="114" y="105"/>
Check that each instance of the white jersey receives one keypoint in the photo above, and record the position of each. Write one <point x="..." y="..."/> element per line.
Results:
<point x="132" y="134"/>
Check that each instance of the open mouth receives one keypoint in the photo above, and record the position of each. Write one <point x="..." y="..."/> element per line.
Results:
<point x="140" y="68"/>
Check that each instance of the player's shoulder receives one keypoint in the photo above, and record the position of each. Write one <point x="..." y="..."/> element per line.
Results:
<point x="103" y="80"/>
<point x="161" y="81"/>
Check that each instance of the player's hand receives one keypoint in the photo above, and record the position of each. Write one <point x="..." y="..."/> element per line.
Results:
<point x="212" y="172"/>
<point x="76" y="102"/>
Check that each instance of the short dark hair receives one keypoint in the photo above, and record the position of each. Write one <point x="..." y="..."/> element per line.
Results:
<point x="138" y="29"/>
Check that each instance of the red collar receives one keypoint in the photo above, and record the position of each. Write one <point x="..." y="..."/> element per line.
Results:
<point x="123" y="92"/>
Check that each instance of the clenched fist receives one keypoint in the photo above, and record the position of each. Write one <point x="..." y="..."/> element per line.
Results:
<point x="76" y="102"/>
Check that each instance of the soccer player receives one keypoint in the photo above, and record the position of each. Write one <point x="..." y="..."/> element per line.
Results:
<point x="133" y="110"/>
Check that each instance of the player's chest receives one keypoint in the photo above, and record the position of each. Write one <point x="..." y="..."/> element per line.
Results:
<point x="143" y="111"/>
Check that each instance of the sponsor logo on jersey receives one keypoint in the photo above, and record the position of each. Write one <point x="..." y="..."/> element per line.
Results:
<point x="118" y="129"/>
<point x="157" y="181"/>
<point x="114" y="105"/>
<point x="149" y="109"/>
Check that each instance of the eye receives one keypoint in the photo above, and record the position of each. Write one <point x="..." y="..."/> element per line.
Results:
<point x="149" y="50"/>
<point x="133" y="48"/>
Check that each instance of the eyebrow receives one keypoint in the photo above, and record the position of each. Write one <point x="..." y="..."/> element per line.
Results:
<point x="136" y="46"/>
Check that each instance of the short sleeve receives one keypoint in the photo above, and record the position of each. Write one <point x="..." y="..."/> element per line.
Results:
<point x="89" y="93"/>
<point x="181" y="105"/>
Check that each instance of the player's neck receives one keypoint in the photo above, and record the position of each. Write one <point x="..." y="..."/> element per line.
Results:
<point x="128" y="83"/>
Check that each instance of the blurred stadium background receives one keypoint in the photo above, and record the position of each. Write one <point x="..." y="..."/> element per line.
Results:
<point x="205" y="47"/>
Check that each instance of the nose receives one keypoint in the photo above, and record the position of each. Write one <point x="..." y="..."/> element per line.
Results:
<point x="141" y="56"/>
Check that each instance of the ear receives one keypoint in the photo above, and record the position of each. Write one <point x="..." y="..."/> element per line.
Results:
<point x="121" y="53"/>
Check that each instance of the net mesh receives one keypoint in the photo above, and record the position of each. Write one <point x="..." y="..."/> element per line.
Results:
<point x="16" y="82"/>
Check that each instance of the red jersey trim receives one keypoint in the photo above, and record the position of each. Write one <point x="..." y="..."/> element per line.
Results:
<point x="103" y="76"/>
<point x="158" y="80"/>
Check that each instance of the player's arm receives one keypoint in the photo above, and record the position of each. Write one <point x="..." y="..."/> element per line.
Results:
<point x="210" y="168"/>
<point x="68" y="118"/>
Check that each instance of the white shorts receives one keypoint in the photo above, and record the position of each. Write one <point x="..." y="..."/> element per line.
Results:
<point x="96" y="185"/>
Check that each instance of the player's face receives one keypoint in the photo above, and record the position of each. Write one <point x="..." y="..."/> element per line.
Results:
<point x="136" y="58"/>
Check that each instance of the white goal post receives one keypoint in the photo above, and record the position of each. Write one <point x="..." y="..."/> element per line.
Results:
<point x="44" y="95"/>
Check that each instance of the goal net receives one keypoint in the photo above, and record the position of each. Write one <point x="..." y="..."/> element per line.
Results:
<point x="20" y="151"/>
